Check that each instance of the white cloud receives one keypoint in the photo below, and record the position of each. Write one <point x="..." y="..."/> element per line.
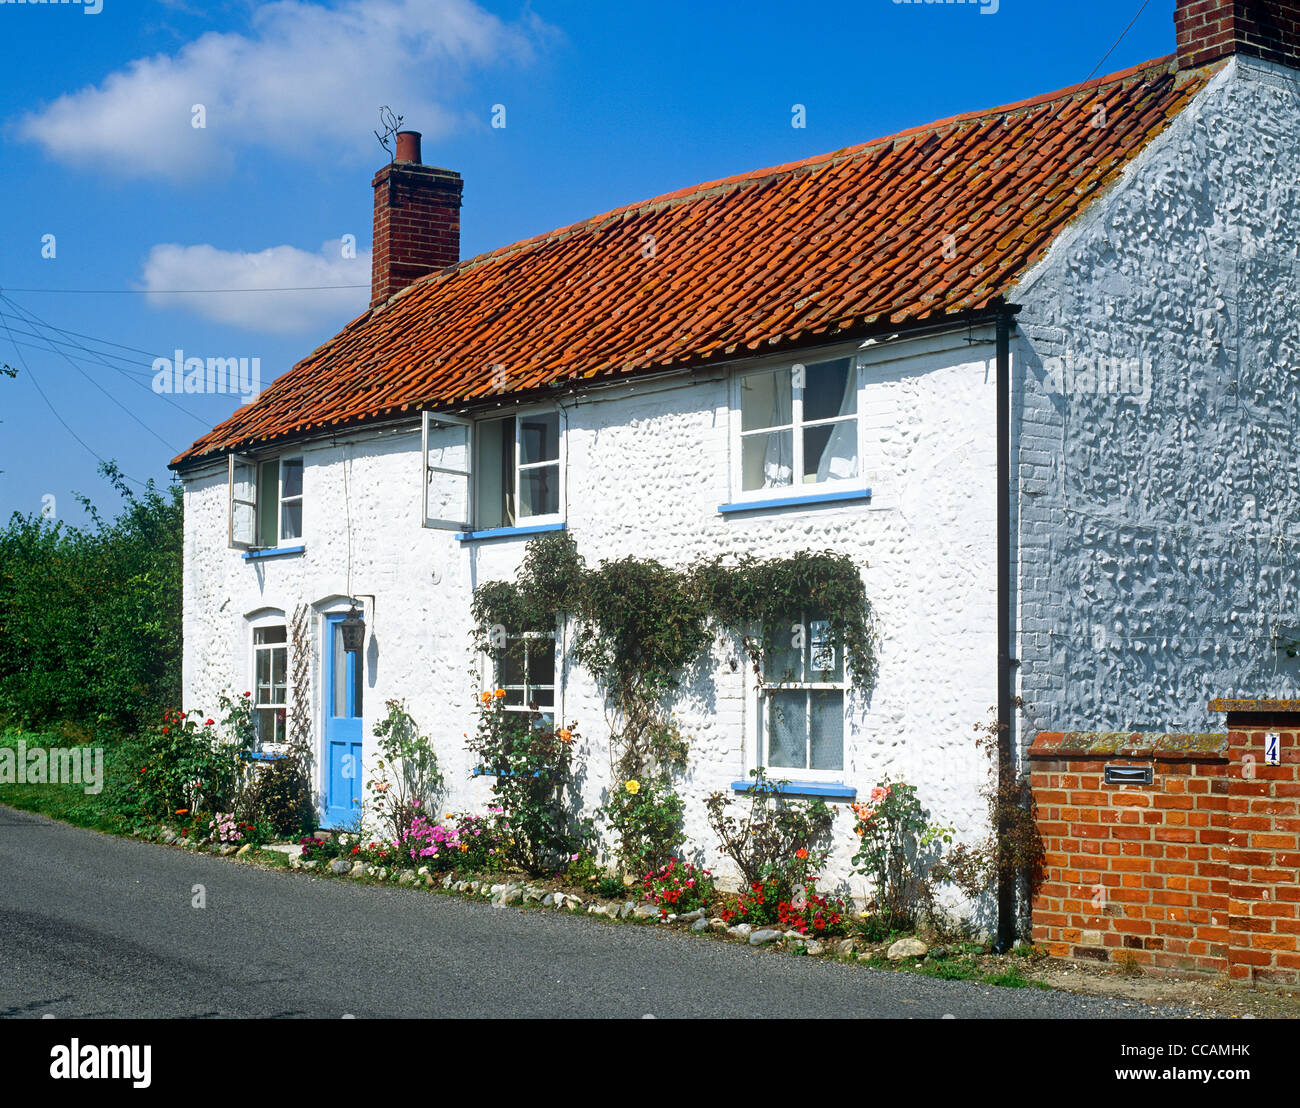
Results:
<point x="175" y="276"/>
<point x="305" y="79"/>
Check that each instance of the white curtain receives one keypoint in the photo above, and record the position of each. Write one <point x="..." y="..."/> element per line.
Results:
<point x="839" y="459"/>
<point x="778" y="461"/>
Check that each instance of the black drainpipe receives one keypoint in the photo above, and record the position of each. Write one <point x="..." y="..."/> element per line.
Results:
<point x="1006" y="935"/>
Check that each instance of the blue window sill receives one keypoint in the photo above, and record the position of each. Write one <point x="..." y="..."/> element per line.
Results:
<point x="273" y="552"/>
<point x="800" y="788"/>
<point x="259" y="756"/>
<point x="509" y="532"/>
<point x="483" y="771"/>
<point x="794" y="501"/>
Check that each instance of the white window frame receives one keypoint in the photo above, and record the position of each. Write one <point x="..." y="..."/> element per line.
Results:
<point x="559" y="464"/>
<point x="255" y="463"/>
<point x="472" y="473"/>
<point x="431" y="421"/>
<point x="796" y="489"/>
<point x="256" y="648"/>
<point x="556" y="516"/>
<point x="494" y="669"/>
<point x="763" y="692"/>
<point x="282" y="500"/>
<point x="233" y="462"/>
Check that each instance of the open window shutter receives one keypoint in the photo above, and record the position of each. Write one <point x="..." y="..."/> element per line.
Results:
<point x="448" y="453"/>
<point x="241" y="480"/>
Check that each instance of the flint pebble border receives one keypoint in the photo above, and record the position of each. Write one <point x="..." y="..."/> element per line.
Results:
<point x="511" y="893"/>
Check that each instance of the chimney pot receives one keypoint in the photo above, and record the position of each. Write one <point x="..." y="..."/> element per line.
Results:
<point x="408" y="147"/>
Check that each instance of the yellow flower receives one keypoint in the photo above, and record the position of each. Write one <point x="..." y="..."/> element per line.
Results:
<point x="564" y="735"/>
<point x="486" y="697"/>
<point x="633" y="787"/>
<point x="499" y="693"/>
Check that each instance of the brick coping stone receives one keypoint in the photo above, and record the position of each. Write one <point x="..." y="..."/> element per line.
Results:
<point x="1162" y="745"/>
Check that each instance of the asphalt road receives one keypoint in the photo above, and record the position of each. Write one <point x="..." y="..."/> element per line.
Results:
<point x="94" y="926"/>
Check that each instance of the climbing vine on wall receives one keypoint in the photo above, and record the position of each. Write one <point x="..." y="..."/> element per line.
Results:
<point x="639" y="625"/>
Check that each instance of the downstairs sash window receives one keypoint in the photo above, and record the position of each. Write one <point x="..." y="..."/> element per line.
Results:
<point x="801" y="700"/>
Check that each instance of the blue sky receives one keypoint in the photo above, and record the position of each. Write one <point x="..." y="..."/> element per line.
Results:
<point x="605" y="104"/>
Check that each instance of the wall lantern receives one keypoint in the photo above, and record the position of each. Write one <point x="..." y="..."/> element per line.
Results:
<point x="354" y="630"/>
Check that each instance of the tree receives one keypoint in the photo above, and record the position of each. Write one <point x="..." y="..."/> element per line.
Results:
<point x="90" y="618"/>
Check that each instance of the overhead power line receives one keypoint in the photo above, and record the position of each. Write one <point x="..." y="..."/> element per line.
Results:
<point x="111" y="398"/>
<point x="54" y="411"/>
<point x="1117" y="41"/>
<point x="33" y="320"/>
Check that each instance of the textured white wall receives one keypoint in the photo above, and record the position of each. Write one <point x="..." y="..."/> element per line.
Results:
<point x="647" y="469"/>
<point x="1157" y="519"/>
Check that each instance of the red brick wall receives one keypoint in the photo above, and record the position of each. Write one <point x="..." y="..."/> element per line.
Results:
<point x="1264" y="856"/>
<point x="1198" y="872"/>
<point x="1139" y="869"/>
<point x="417" y="226"/>
<point x="1210" y="29"/>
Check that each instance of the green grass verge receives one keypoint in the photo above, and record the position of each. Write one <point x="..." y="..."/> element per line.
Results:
<point x="963" y="963"/>
<point x="70" y="802"/>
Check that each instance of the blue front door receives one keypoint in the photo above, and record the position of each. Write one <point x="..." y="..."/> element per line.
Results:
<point x="343" y="733"/>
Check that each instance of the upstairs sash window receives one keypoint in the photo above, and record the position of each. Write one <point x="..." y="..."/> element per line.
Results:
<point x="798" y="426"/>
<point x="265" y="497"/>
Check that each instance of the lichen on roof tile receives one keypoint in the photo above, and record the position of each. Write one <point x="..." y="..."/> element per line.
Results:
<point x="761" y="261"/>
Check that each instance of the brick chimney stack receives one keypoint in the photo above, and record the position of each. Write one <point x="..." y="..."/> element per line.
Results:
<point x="417" y="220"/>
<point x="1212" y="29"/>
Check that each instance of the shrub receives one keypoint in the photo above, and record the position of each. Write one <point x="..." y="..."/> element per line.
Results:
<point x="583" y="870"/>
<point x="279" y="796"/>
<point x="483" y="838"/>
<point x="1014" y="846"/>
<point x="374" y="852"/>
<point x="646" y="818"/>
<point x="462" y="842"/>
<point x="895" y="833"/>
<point x="812" y="914"/>
<point x="426" y="843"/>
<point x="90" y="618"/>
<point x="776" y="842"/>
<point x="756" y="905"/>
<point x="237" y="723"/>
<point x="409" y="781"/>
<point x="224" y="828"/>
<point x="532" y="762"/>
<point x="324" y="850"/>
<point x="611" y="888"/>
<point x="678" y="887"/>
<point x="227" y="828"/>
<point x="181" y="766"/>
<point x="320" y="850"/>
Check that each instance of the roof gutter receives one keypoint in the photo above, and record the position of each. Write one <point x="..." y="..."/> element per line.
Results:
<point x="879" y="333"/>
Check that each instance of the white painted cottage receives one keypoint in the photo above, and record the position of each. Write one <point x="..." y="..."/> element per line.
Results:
<point x="1032" y="368"/>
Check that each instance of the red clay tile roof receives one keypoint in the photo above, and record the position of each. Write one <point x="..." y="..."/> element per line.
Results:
<point x="811" y="252"/>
